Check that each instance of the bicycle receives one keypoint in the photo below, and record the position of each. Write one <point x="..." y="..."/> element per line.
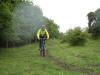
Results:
<point x="43" y="49"/>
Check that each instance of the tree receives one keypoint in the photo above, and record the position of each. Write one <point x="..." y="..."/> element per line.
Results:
<point x="28" y="19"/>
<point x="19" y="20"/>
<point x="5" y="24"/>
<point x="96" y="26"/>
<point x="53" y="28"/>
<point x="91" y="18"/>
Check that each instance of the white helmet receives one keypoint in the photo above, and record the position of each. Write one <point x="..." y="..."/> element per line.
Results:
<point x="43" y="27"/>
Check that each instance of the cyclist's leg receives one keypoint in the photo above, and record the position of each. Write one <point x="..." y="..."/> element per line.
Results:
<point x="40" y="45"/>
<point x="43" y="49"/>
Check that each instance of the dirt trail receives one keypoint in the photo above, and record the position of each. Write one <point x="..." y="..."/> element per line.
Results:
<point x="67" y="66"/>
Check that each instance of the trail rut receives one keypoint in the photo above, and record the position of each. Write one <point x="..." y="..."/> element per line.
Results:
<point x="67" y="66"/>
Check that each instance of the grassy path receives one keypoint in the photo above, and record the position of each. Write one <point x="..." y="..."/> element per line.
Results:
<point x="66" y="66"/>
<point x="85" y="59"/>
<point x="61" y="59"/>
<point x="26" y="60"/>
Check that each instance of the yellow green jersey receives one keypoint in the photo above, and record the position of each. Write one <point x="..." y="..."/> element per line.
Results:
<point x="40" y="32"/>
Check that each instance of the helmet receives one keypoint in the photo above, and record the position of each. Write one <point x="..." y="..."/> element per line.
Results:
<point x="43" y="27"/>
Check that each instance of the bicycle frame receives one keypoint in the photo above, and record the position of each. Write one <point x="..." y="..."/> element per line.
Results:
<point x="42" y="52"/>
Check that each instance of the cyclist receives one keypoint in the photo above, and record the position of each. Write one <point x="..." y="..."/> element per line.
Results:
<point x="42" y="33"/>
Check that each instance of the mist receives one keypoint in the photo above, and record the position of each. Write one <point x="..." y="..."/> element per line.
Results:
<point x="26" y="20"/>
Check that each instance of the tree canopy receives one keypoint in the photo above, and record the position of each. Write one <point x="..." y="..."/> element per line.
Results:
<point x="20" y="20"/>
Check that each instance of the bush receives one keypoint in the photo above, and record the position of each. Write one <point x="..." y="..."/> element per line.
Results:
<point x="75" y="37"/>
<point x="87" y="34"/>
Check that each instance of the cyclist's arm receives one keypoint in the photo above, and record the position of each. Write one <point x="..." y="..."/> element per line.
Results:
<point x="47" y="34"/>
<point x="38" y="33"/>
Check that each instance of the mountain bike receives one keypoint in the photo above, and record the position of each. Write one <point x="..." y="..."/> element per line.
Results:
<point x="43" y="49"/>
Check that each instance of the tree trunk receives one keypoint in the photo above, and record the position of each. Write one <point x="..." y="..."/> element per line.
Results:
<point x="89" y="25"/>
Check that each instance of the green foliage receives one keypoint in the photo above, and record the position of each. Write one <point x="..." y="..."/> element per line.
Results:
<point x="28" y="19"/>
<point x="61" y="35"/>
<point x="86" y="33"/>
<point x="91" y="17"/>
<point x="96" y="26"/>
<point x="94" y="23"/>
<point x="5" y="24"/>
<point x="52" y="28"/>
<point x="19" y="20"/>
<point x="96" y="31"/>
<point x="75" y="37"/>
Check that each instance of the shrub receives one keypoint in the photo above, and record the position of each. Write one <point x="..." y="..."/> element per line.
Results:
<point x="75" y="37"/>
<point x="86" y="33"/>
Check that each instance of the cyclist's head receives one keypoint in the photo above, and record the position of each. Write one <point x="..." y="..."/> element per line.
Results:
<point x="43" y="27"/>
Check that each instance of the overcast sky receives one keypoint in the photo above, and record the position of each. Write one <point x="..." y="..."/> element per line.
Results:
<point x="68" y="13"/>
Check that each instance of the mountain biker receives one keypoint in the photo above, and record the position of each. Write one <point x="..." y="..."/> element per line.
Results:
<point x="42" y="33"/>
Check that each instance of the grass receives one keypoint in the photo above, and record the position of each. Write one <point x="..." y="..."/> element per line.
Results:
<point x="26" y="60"/>
<point x="83" y="57"/>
